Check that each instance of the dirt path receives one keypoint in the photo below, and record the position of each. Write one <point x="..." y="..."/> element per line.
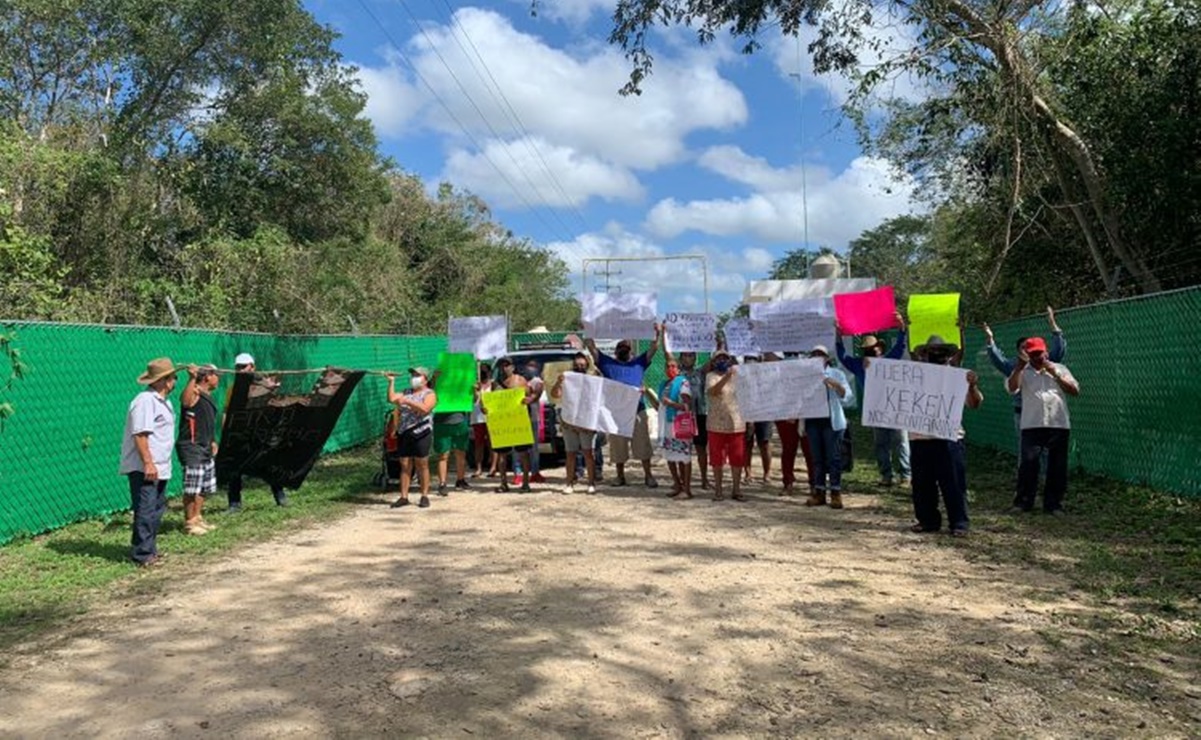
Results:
<point x="618" y="615"/>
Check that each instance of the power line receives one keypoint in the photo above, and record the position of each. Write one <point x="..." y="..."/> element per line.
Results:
<point x="466" y="132"/>
<point x="487" y="123"/>
<point x="508" y="107"/>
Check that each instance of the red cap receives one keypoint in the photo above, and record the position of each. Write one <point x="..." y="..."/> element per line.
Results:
<point x="1035" y="344"/>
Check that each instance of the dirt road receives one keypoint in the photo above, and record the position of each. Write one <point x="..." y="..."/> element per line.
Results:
<point x="618" y="615"/>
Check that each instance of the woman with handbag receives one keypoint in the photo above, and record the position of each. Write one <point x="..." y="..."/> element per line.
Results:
<point x="677" y="428"/>
<point x="415" y="432"/>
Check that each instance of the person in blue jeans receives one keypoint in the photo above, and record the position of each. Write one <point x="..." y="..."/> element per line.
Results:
<point x="1057" y="351"/>
<point x="825" y="435"/>
<point x="147" y="447"/>
<point x="887" y="441"/>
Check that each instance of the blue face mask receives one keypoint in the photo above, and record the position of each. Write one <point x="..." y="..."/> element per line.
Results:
<point x="721" y="366"/>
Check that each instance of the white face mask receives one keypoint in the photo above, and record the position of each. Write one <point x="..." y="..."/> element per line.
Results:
<point x="417" y="382"/>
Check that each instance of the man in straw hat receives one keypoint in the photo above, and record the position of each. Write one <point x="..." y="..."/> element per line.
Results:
<point x="887" y="441"/>
<point x="146" y="448"/>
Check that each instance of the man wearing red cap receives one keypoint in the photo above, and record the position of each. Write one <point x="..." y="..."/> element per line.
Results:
<point x="1046" y="426"/>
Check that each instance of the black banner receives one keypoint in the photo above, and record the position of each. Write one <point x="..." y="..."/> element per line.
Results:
<point x="275" y="437"/>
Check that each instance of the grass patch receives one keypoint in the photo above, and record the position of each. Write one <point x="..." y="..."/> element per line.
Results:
<point x="52" y="577"/>
<point x="1132" y="548"/>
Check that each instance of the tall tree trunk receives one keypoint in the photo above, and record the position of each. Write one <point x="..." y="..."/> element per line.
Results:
<point x="1071" y="196"/>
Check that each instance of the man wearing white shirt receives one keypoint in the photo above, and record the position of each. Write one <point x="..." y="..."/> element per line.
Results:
<point x="146" y="449"/>
<point x="1046" y="425"/>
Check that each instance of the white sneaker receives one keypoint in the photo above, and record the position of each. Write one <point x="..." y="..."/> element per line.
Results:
<point x="568" y="489"/>
<point x="591" y="489"/>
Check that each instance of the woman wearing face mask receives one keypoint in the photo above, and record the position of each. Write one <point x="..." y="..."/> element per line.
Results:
<point x="675" y="397"/>
<point x="825" y="435"/>
<point x="415" y="432"/>
<point x="727" y="431"/>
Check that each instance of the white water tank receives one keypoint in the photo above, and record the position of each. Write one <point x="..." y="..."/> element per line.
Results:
<point x="825" y="267"/>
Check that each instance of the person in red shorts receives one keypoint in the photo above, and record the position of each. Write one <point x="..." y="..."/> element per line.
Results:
<point x="727" y="431"/>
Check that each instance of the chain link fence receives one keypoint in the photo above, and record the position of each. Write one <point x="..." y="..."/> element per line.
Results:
<point x="68" y="388"/>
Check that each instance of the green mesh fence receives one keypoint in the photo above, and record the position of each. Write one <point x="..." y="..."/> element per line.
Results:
<point x="1138" y="415"/>
<point x="60" y="447"/>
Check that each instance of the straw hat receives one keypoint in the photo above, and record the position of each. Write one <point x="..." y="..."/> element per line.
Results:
<point x="869" y="341"/>
<point x="157" y="370"/>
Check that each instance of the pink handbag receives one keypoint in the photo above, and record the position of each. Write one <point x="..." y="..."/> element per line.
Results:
<point x="684" y="426"/>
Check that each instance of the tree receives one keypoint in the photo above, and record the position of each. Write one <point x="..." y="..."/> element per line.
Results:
<point x="795" y="264"/>
<point x="957" y="46"/>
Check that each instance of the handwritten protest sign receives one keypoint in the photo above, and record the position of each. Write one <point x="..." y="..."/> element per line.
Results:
<point x="933" y="314"/>
<point x="770" y="309"/>
<point x="789" y="389"/>
<point x="456" y="382"/>
<point x="619" y="316"/>
<point x="275" y="437"/>
<point x="794" y="332"/>
<point x="872" y="310"/>
<point x="690" y="332"/>
<point x="485" y="337"/>
<point x="740" y="337"/>
<point x="918" y="397"/>
<point x="508" y="418"/>
<point x="599" y="404"/>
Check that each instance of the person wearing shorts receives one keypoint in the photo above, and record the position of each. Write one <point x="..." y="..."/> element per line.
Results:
<point x="415" y="432"/>
<point x="727" y="431"/>
<point x="509" y="379"/>
<point x="576" y="441"/>
<point x="196" y="445"/>
<point x="452" y="435"/>
<point x="625" y="368"/>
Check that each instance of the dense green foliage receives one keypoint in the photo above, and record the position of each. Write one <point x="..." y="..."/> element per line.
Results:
<point x="1057" y="146"/>
<point x="212" y="154"/>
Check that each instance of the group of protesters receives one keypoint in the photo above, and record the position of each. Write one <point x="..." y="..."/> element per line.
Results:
<point x="699" y="419"/>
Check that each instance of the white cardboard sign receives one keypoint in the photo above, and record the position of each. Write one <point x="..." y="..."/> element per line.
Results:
<point x="914" y="396"/>
<point x="486" y="337"/>
<point x="740" y="338"/>
<point x="598" y="404"/>
<point x="788" y="389"/>
<point x="690" y="332"/>
<point x="619" y="316"/>
<point x="794" y="332"/>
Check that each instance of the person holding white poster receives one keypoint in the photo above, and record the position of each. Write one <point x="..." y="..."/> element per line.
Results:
<point x="575" y="439"/>
<point x="825" y="435"/>
<point x="938" y="464"/>
<point x="625" y="368"/>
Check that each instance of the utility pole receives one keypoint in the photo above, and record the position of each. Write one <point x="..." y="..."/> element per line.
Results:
<point x="608" y="272"/>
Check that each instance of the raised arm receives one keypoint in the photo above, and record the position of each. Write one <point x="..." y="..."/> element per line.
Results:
<point x="897" y="351"/>
<point x="650" y="352"/>
<point x="191" y="392"/>
<point x="1059" y="345"/>
<point x="590" y="345"/>
<point x="995" y="355"/>
<point x="393" y="396"/>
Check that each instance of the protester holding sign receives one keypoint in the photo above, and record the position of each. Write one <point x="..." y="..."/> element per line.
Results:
<point x="1044" y="386"/>
<point x="415" y="432"/>
<point x="677" y="428"/>
<point x="510" y="380"/>
<point x="938" y="464"/>
<point x="887" y="441"/>
<point x="726" y="428"/>
<point x="623" y="367"/>
<point x="758" y="433"/>
<point x="576" y="440"/>
<point x="534" y="387"/>
<point x="825" y="435"/>
<point x="700" y="409"/>
<point x="452" y="433"/>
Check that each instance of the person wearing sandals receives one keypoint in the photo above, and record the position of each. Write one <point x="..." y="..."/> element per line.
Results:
<point x="825" y="435"/>
<point x="196" y="445"/>
<point x="576" y="441"/>
<point x="415" y="431"/>
<point x="675" y="397"/>
<point x="508" y="381"/>
<point x="479" y="426"/>
<point x="938" y="464"/>
<point x="727" y="430"/>
<point x="700" y="409"/>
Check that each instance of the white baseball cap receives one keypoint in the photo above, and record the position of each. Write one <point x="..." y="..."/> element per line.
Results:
<point x="244" y="359"/>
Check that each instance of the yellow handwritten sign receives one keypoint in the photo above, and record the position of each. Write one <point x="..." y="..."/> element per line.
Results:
<point x="934" y="314"/>
<point x="508" y="418"/>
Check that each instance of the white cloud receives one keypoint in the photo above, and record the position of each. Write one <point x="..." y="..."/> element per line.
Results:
<point x="579" y="176"/>
<point x="567" y="102"/>
<point x="840" y="206"/>
<point x="572" y="12"/>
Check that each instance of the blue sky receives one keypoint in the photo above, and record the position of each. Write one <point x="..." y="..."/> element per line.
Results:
<point x="525" y="112"/>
